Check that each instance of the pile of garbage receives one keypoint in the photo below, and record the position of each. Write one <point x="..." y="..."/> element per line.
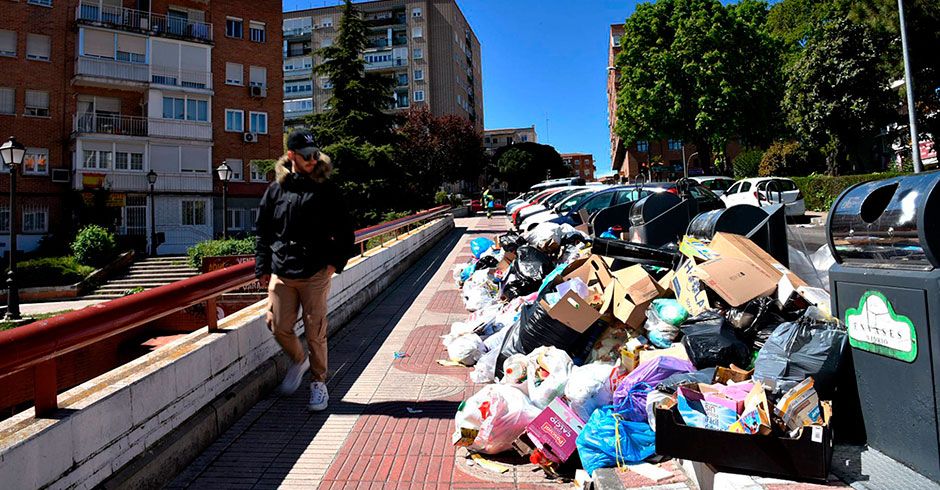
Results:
<point x="602" y="353"/>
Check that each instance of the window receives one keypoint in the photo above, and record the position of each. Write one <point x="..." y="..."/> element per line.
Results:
<point x="326" y="83"/>
<point x="234" y="74"/>
<point x="41" y="3"/>
<point x="234" y="27"/>
<point x="326" y="42"/>
<point x="194" y="159"/>
<point x="675" y="145"/>
<point x="301" y="87"/>
<point x="128" y="160"/>
<point x="7" y="43"/>
<point x="194" y="213"/>
<point x="419" y="95"/>
<point x="417" y="32"/>
<point x="258" y="122"/>
<point x="257" y="175"/>
<point x="234" y="120"/>
<point x="256" y="32"/>
<point x="525" y="138"/>
<point x="745" y="186"/>
<point x="174" y="108"/>
<point x="258" y="76"/>
<point x="197" y="110"/>
<point x="37" y="47"/>
<point x="35" y="219"/>
<point x="37" y="103"/>
<point x="418" y="53"/>
<point x="7" y="99"/>
<point x="643" y="146"/>
<point x="36" y="161"/>
<point x="236" y="165"/>
<point x="327" y="22"/>
<point x="132" y="49"/>
<point x="416" y="12"/>
<point x="185" y="109"/>
<point x="419" y="74"/>
<point x="237" y="219"/>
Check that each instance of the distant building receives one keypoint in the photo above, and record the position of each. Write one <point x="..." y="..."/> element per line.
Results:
<point x="426" y="46"/>
<point x="581" y="165"/>
<point x="494" y="139"/>
<point x="617" y="149"/>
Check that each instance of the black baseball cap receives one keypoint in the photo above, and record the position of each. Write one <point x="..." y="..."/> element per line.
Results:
<point x="300" y="139"/>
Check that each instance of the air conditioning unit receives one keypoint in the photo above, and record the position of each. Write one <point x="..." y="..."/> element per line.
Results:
<point x="60" y="175"/>
<point x="250" y="137"/>
<point x="256" y="91"/>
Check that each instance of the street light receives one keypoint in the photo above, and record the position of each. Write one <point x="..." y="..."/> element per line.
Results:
<point x="225" y="174"/>
<point x="152" y="179"/>
<point x="12" y="153"/>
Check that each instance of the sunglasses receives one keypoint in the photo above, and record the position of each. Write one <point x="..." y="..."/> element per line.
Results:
<point x="308" y="154"/>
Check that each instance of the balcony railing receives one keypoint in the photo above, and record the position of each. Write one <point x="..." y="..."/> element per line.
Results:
<point x="141" y="21"/>
<point x="378" y="65"/>
<point x="173" y="128"/>
<point x="111" y="124"/>
<point x="117" y="70"/>
<point x="129" y="181"/>
<point x="298" y="72"/>
<point x="297" y="113"/>
<point x="298" y="31"/>
<point x="388" y="21"/>
<point x="175" y="77"/>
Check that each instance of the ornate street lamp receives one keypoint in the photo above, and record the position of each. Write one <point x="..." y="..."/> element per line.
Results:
<point x="152" y="179"/>
<point x="12" y="153"/>
<point x="225" y="174"/>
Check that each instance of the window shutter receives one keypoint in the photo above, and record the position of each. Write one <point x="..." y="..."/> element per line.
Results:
<point x="35" y="98"/>
<point x="99" y="43"/>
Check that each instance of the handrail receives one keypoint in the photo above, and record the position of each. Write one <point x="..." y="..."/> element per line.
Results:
<point x="38" y="344"/>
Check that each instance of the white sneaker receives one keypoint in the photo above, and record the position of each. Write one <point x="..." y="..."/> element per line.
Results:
<point x="295" y="374"/>
<point x="318" y="397"/>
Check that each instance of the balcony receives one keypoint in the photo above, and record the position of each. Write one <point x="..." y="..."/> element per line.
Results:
<point x="97" y="68"/>
<point x="136" y="181"/>
<point x="381" y="65"/>
<point x="175" y="77"/>
<point x="141" y="21"/>
<point x="298" y="31"/>
<point x="184" y="130"/>
<point x="297" y="113"/>
<point x="399" y="19"/>
<point x="298" y="72"/>
<point x="115" y="124"/>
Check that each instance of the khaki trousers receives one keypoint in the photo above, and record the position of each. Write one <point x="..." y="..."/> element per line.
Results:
<point x="310" y="294"/>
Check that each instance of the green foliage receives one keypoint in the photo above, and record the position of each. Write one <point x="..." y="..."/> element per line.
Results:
<point x="784" y="158"/>
<point x="215" y="248"/>
<point x="265" y="166"/>
<point x="51" y="271"/>
<point x="746" y="163"/>
<point x="94" y="246"/>
<point x="820" y="191"/>
<point x="32" y="319"/>
<point x="441" y="198"/>
<point x="133" y="290"/>
<point x="524" y="164"/>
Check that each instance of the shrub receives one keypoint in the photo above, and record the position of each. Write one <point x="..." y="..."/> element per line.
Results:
<point x="50" y="271"/>
<point x="212" y="248"/>
<point x="784" y="158"/>
<point x="94" y="245"/>
<point x="820" y="191"/>
<point x="441" y="198"/>
<point x="746" y="163"/>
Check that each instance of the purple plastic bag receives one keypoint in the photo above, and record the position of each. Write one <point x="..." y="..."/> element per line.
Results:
<point x="630" y="395"/>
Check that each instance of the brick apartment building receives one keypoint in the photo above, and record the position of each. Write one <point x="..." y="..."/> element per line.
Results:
<point x="104" y="91"/>
<point x="581" y="165"/>
<point x="494" y="139"/>
<point x="427" y="46"/>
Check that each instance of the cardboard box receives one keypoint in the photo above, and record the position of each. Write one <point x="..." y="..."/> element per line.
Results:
<point x="805" y="457"/>
<point x="503" y="265"/>
<point x="573" y="311"/>
<point x="696" y="249"/>
<point x="756" y="416"/>
<point x="689" y="290"/>
<point x="739" y="247"/>
<point x="555" y="431"/>
<point x="677" y="350"/>
<point x="733" y="373"/>
<point x="630" y="293"/>
<point x="736" y="281"/>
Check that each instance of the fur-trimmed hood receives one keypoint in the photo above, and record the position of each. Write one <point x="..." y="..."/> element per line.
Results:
<point x="321" y="171"/>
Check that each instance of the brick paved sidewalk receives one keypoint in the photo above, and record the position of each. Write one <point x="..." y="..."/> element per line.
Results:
<point x="390" y="420"/>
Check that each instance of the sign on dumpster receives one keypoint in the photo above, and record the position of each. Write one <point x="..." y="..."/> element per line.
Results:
<point x="875" y="327"/>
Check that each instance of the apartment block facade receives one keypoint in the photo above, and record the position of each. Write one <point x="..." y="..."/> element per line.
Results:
<point x="426" y="46"/>
<point x="105" y="91"/>
<point x="581" y="165"/>
<point x="494" y="139"/>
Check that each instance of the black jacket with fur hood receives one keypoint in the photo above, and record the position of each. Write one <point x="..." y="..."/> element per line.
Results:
<point x="303" y="225"/>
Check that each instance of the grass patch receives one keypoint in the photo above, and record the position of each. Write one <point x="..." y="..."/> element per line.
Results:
<point x="34" y="318"/>
<point x="50" y="271"/>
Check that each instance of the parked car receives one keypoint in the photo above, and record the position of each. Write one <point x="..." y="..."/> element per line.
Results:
<point x="573" y="203"/>
<point x="717" y="184"/>
<point x="532" y="197"/>
<point x="519" y="201"/>
<point x="762" y="191"/>
<point x="523" y="212"/>
<point x="476" y="206"/>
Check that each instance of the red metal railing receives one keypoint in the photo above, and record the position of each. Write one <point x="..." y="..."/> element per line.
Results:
<point x="38" y="344"/>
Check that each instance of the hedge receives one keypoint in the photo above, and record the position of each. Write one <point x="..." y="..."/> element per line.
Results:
<point x="50" y="271"/>
<point x="820" y="191"/>
<point x="212" y="248"/>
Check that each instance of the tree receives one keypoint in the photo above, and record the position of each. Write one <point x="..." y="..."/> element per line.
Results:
<point x="697" y="71"/>
<point x="837" y="97"/>
<point x="525" y="164"/>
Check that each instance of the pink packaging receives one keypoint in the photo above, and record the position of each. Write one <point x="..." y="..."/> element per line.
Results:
<point x="555" y="430"/>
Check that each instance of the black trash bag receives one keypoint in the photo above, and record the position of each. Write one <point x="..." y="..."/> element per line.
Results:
<point x="486" y="262"/>
<point x="634" y="253"/>
<point x="810" y="346"/>
<point x="755" y="320"/>
<point x="710" y="341"/>
<point x="536" y="328"/>
<point x="527" y="272"/>
<point x="569" y="253"/>
<point x="510" y="242"/>
<point x="672" y="383"/>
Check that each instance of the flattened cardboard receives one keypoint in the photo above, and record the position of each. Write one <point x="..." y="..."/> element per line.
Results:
<point x="629" y="294"/>
<point x="676" y="350"/>
<point x="696" y="249"/>
<point x="689" y="290"/>
<point x="736" y="281"/>
<point x="737" y="246"/>
<point x="573" y="311"/>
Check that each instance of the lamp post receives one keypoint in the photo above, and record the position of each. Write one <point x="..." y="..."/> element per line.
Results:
<point x="12" y="153"/>
<point x="909" y="88"/>
<point x="225" y="174"/>
<point x="152" y="179"/>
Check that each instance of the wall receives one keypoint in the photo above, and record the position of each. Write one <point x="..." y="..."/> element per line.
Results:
<point x="108" y="421"/>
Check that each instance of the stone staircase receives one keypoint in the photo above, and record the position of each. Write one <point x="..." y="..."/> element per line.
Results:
<point x="148" y="273"/>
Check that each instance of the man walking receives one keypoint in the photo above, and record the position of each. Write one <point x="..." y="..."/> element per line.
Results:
<point x="304" y="236"/>
<point x="487" y="199"/>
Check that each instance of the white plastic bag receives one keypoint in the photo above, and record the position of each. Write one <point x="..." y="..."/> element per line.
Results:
<point x="566" y="231"/>
<point x="588" y="388"/>
<point x="465" y="349"/>
<point x="652" y="399"/>
<point x="506" y="414"/>
<point x="479" y="291"/>
<point x="515" y="372"/>
<point x="547" y="371"/>
<point x="545" y="237"/>
<point x="485" y="369"/>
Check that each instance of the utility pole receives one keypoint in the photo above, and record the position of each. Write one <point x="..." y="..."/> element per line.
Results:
<point x="909" y="86"/>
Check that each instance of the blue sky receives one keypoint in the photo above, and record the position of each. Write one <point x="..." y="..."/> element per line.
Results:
<point x="544" y="63"/>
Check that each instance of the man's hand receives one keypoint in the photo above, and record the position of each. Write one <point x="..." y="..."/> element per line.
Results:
<point x="330" y="270"/>
<point x="265" y="280"/>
